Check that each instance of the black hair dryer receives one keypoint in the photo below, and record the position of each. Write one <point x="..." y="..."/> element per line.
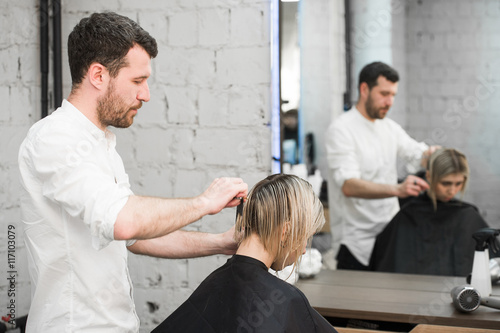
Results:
<point x="481" y="278"/>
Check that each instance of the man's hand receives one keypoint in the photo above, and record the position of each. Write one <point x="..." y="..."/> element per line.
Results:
<point x="230" y="240"/>
<point x="224" y="192"/>
<point x="412" y="186"/>
<point x="427" y="154"/>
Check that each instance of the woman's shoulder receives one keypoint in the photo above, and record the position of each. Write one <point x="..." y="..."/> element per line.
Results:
<point x="424" y="202"/>
<point x="460" y="208"/>
<point x="300" y="304"/>
<point x="462" y="205"/>
<point x="467" y="215"/>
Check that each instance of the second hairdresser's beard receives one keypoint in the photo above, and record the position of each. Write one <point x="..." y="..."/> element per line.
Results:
<point x="373" y="111"/>
<point x="113" y="111"/>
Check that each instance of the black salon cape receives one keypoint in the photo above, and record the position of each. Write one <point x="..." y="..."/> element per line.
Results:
<point x="420" y="240"/>
<point x="242" y="296"/>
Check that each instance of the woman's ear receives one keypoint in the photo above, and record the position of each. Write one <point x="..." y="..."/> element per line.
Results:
<point x="98" y="76"/>
<point x="285" y="233"/>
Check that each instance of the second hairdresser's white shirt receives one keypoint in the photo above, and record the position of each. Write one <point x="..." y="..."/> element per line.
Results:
<point x="359" y="148"/>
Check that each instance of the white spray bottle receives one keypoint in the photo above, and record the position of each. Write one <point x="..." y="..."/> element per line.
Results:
<point x="481" y="276"/>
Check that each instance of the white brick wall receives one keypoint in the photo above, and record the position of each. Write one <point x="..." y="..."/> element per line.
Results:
<point x="208" y="117"/>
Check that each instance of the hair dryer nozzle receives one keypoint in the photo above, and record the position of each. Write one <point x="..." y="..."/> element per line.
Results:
<point x="465" y="298"/>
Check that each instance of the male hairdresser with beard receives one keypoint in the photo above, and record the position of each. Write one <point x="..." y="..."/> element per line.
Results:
<point x="79" y="214"/>
<point x="362" y="150"/>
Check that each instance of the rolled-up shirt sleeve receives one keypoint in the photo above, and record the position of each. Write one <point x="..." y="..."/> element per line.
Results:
<point x="85" y="176"/>
<point x="341" y="155"/>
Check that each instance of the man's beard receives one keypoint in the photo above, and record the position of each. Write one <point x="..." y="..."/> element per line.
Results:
<point x="372" y="111"/>
<point x="112" y="111"/>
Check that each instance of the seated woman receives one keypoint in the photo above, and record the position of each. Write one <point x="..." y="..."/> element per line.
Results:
<point x="432" y="234"/>
<point x="279" y="217"/>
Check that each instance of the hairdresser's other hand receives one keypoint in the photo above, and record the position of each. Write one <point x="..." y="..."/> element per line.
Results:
<point x="229" y="241"/>
<point x="426" y="154"/>
<point x="222" y="193"/>
<point x="411" y="187"/>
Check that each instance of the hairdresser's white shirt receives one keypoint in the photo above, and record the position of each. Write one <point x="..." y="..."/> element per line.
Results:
<point x="74" y="184"/>
<point x="359" y="148"/>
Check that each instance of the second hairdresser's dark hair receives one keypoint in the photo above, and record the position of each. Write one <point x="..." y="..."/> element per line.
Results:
<point x="371" y="72"/>
<point x="105" y="38"/>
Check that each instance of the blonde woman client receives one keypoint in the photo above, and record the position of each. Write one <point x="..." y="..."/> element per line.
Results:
<point x="279" y="217"/>
<point x="432" y="234"/>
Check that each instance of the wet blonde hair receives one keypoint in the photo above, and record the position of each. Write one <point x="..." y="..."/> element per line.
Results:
<point x="274" y="202"/>
<point x="444" y="162"/>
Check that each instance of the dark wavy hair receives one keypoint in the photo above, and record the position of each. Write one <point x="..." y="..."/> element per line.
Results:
<point x="105" y="38"/>
<point x="370" y="73"/>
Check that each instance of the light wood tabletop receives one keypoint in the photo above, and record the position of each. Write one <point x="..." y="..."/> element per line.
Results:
<point x="422" y="328"/>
